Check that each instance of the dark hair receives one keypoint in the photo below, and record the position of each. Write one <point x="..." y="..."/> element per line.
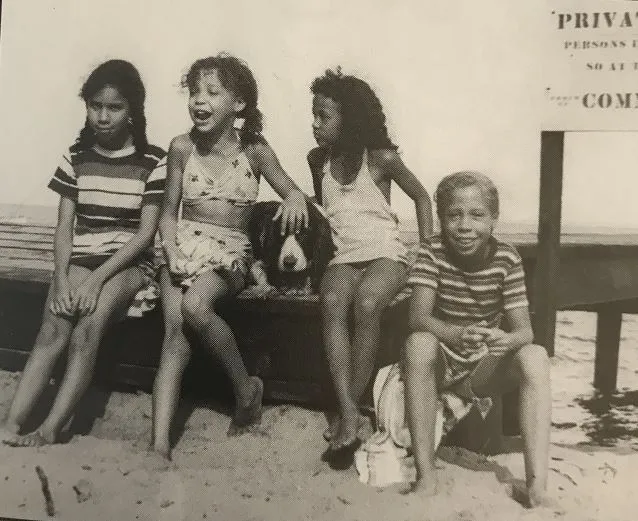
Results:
<point x="124" y="77"/>
<point x="448" y="184"/>
<point x="363" y="121"/>
<point x="235" y="76"/>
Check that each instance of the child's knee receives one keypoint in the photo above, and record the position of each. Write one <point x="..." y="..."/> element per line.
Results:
<point x="333" y="304"/>
<point x="50" y="336"/>
<point x="195" y="310"/>
<point x="368" y="306"/>
<point x="533" y="362"/>
<point x="86" y="338"/>
<point x="421" y="351"/>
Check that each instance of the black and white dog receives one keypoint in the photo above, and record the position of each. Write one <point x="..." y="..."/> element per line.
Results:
<point x="293" y="263"/>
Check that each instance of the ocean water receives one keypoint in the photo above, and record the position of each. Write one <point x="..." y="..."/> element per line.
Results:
<point x="580" y="415"/>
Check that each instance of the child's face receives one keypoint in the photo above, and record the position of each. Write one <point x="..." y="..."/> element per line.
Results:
<point x="211" y="106"/>
<point x="108" y="112"/>
<point x="467" y="223"/>
<point x="326" y="125"/>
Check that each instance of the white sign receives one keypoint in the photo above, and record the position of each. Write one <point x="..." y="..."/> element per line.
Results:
<point x="590" y="65"/>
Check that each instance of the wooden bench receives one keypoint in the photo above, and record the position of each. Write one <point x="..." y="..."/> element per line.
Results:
<point x="279" y="336"/>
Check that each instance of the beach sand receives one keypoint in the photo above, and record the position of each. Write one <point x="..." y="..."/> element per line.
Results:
<point x="275" y="472"/>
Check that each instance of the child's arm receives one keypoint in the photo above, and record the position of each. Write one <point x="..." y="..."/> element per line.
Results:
<point x="499" y="342"/>
<point x="172" y="196"/>
<point x="393" y="166"/>
<point x="421" y="317"/>
<point x="293" y="209"/>
<point x="87" y="295"/>
<point x="62" y="247"/>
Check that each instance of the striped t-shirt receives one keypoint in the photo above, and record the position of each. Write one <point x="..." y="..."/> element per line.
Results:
<point x="465" y="298"/>
<point x="110" y="188"/>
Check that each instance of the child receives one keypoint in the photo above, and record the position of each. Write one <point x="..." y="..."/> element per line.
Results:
<point x="214" y="171"/>
<point x="111" y="184"/>
<point x="465" y="282"/>
<point x="352" y="171"/>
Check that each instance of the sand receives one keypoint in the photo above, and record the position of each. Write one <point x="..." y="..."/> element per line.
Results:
<point x="274" y="473"/>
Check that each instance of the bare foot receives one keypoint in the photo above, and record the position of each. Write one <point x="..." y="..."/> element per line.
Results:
<point x="533" y="497"/>
<point x="250" y="414"/>
<point x="423" y="488"/>
<point x="333" y="427"/>
<point x="348" y="429"/>
<point x="33" y="439"/>
<point x="8" y="431"/>
<point x="160" y="459"/>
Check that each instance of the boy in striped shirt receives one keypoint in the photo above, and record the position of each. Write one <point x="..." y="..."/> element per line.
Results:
<point x="466" y="285"/>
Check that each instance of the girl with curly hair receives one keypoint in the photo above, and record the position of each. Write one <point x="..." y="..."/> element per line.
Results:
<point x="111" y="186"/>
<point x="352" y="169"/>
<point x="213" y="174"/>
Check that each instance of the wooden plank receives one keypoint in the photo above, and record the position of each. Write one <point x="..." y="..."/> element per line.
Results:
<point x="18" y="244"/>
<point x="46" y="238"/>
<point x="608" y="328"/>
<point x="548" y="255"/>
<point x="27" y="228"/>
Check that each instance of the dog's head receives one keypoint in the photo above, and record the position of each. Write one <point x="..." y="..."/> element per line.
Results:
<point x="292" y="259"/>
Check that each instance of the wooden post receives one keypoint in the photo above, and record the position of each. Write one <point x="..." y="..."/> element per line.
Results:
<point x="607" y="345"/>
<point x="548" y="252"/>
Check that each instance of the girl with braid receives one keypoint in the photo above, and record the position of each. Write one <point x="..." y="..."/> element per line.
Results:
<point x="111" y="186"/>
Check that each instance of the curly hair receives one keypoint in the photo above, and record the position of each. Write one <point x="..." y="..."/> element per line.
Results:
<point x="124" y="77"/>
<point x="447" y="186"/>
<point x="235" y="76"/>
<point x="363" y="121"/>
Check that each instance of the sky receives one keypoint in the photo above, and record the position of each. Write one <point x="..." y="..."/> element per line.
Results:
<point x="461" y="85"/>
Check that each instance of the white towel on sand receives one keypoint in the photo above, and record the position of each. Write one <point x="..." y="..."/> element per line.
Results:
<point x="384" y="458"/>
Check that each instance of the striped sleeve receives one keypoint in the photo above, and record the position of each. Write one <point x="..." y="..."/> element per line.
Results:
<point x="514" y="290"/>
<point x="425" y="271"/>
<point x="155" y="184"/>
<point x="64" y="180"/>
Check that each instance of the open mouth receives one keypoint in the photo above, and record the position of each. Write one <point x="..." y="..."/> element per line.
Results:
<point x="201" y="115"/>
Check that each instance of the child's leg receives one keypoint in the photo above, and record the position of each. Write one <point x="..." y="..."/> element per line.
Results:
<point x="175" y="355"/>
<point x="380" y="283"/>
<point x="336" y="292"/>
<point x="421" y="397"/>
<point x="529" y="368"/>
<point x="51" y="341"/>
<point x="198" y="309"/>
<point x="116" y="294"/>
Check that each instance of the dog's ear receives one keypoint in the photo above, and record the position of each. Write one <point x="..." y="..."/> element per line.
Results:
<point x="260" y="225"/>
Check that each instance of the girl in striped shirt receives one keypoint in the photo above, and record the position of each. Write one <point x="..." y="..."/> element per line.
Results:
<point x="111" y="185"/>
<point x="465" y="282"/>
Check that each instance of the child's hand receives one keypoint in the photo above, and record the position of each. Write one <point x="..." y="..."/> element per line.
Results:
<point x="86" y="296"/>
<point x="474" y="337"/>
<point x="498" y="341"/>
<point x="62" y="301"/>
<point x="293" y="212"/>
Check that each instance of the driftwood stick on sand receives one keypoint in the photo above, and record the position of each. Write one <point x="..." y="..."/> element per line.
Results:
<point x="44" y="482"/>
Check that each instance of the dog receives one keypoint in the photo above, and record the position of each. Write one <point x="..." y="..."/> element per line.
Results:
<point x="293" y="263"/>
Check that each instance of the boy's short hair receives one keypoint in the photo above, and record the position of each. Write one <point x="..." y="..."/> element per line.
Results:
<point x="451" y="182"/>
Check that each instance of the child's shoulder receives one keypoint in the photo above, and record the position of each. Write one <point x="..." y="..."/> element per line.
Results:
<point x="182" y="141"/>
<point x="384" y="156"/>
<point x="506" y="250"/>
